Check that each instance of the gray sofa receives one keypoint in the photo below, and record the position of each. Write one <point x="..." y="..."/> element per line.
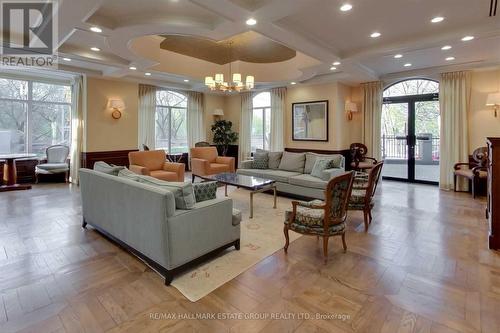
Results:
<point x="293" y="176"/>
<point x="143" y="218"/>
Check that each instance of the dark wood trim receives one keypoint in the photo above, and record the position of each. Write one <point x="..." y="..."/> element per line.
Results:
<point x="167" y="274"/>
<point x="344" y="152"/>
<point x="117" y="157"/>
<point x="327" y="121"/>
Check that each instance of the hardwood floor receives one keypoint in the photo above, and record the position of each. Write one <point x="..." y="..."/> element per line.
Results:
<point x="423" y="266"/>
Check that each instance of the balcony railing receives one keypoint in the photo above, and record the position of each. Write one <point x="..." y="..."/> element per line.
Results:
<point x="426" y="149"/>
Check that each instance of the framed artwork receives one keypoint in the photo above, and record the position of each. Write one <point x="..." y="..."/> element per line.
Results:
<point x="310" y="121"/>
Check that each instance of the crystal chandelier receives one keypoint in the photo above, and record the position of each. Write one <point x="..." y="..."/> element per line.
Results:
<point x="217" y="82"/>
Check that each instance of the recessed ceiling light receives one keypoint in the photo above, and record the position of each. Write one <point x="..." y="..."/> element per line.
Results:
<point x="132" y="68"/>
<point x="375" y="35"/>
<point x="96" y="29"/>
<point x="467" y="38"/>
<point x="450" y="58"/>
<point x="186" y="80"/>
<point x="336" y="63"/>
<point x="397" y="56"/>
<point x="147" y="74"/>
<point x="333" y="68"/>
<point x="293" y="83"/>
<point x="66" y="59"/>
<point x="446" y="47"/>
<point x="251" y="21"/>
<point x="346" y="7"/>
<point x="96" y="49"/>
<point x="407" y="65"/>
<point x="437" y="19"/>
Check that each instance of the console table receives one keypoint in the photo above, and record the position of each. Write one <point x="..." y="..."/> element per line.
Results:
<point x="10" y="172"/>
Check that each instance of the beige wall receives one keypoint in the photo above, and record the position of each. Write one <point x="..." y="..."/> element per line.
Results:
<point x="103" y="133"/>
<point x="211" y="102"/>
<point x="482" y="122"/>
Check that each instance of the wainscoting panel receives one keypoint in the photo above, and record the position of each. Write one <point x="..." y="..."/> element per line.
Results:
<point x="117" y="157"/>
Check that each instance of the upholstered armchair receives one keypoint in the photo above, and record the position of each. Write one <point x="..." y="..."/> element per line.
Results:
<point x="359" y="159"/>
<point x="322" y="218"/>
<point x="363" y="192"/>
<point x="205" y="161"/>
<point x="153" y="163"/>
<point x="57" y="156"/>
<point x="474" y="171"/>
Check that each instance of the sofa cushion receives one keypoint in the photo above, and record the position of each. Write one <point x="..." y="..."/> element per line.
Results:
<point x="274" y="158"/>
<point x="311" y="159"/>
<point x="260" y="160"/>
<point x="321" y="165"/>
<point x="219" y="168"/>
<point x="308" y="181"/>
<point x="126" y="173"/>
<point x="104" y="167"/>
<point x="277" y="175"/>
<point x="292" y="162"/>
<point x="183" y="192"/>
<point x="53" y="167"/>
<point x="205" y="191"/>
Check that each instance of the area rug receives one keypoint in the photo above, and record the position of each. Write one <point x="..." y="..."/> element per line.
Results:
<point x="260" y="237"/>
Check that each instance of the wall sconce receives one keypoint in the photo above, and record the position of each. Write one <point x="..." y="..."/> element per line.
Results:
<point x="116" y="105"/>
<point x="493" y="100"/>
<point x="350" y="107"/>
<point x="218" y="113"/>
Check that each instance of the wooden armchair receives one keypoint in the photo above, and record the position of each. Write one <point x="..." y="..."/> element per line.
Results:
<point x="475" y="170"/>
<point x="206" y="161"/>
<point x="363" y="192"/>
<point x="359" y="159"/>
<point x="322" y="218"/>
<point x="153" y="163"/>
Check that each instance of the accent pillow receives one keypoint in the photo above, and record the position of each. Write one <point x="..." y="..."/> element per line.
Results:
<point x="106" y="168"/>
<point x="205" y="191"/>
<point x="292" y="162"/>
<point x="183" y="192"/>
<point x="260" y="160"/>
<point x="319" y="166"/>
<point x="274" y="158"/>
<point x="126" y="173"/>
<point x="312" y="157"/>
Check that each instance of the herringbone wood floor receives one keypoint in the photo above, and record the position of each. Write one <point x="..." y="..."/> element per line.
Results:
<point x="423" y="266"/>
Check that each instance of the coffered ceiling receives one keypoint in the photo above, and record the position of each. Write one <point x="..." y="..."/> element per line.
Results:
<point x="298" y="40"/>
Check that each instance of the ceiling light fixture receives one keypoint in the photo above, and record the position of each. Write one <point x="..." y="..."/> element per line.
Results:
<point x="437" y="19"/>
<point x="95" y="49"/>
<point x="467" y="38"/>
<point x="346" y="7"/>
<point x="96" y="29"/>
<point x="147" y="74"/>
<point x="407" y="65"/>
<point x="336" y="63"/>
<point x="333" y="68"/>
<point x="450" y="58"/>
<point x="251" y="21"/>
<point x="186" y="80"/>
<point x="293" y="83"/>
<point x="397" y="56"/>
<point x="446" y="47"/>
<point x="66" y="59"/>
<point x="375" y="35"/>
<point x="132" y="68"/>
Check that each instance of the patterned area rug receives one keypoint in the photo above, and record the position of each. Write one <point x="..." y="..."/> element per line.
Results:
<point x="260" y="237"/>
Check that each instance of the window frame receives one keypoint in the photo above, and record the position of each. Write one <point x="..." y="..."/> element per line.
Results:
<point x="264" y="114"/>
<point x="169" y="118"/>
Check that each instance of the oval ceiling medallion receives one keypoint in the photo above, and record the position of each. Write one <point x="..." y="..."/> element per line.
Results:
<point x="248" y="46"/>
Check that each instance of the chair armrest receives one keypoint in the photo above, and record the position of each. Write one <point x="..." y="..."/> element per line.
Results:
<point x="178" y="168"/>
<point x="328" y="174"/>
<point x="140" y="170"/>
<point x="246" y="164"/>
<point x="199" y="167"/>
<point x="458" y="165"/>
<point x="226" y="160"/>
<point x="370" y="158"/>
<point x="307" y="204"/>
<point x="476" y="170"/>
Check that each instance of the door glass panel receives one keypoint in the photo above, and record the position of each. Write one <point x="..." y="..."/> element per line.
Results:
<point x="427" y="124"/>
<point x="394" y="147"/>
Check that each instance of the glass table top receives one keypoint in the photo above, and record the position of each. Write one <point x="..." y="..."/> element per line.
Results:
<point x="249" y="182"/>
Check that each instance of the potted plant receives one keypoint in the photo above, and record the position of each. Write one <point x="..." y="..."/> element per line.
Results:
<point x="223" y="135"/>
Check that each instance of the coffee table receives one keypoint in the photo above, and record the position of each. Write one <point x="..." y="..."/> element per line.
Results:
<point x="254" y="184"/>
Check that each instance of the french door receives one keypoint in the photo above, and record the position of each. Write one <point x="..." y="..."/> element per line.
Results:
<point x="410" y="138"/>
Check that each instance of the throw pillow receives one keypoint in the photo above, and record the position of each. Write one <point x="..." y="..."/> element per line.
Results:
<point x="311" y="159"/>
<point x="106" y="168"/>
<point x="274" y="158"/>
<point x="292" y="162"/>
<point x="205" y="191"/>
<point x="260" y="160"/>
<point x="319" y="166"/>
<point x="126" y="173"/>
<point x="183" y="192"/>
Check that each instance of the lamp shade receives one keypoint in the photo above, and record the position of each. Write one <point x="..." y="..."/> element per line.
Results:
<point x="236" y="77"/>
<point x="218" y="112"/>
<point x="493" y="99"/>
<point x="219" y="78"/>
<point x="209" y="80"/>
<point x="351" y="107"/>
<point x="116" y="104"/>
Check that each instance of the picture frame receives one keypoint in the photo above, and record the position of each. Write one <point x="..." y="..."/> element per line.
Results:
<point x="310" y="121"/>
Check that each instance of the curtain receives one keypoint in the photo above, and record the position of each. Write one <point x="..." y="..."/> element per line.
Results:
<point x="195" y="118"/>
<point x="454" y="103"/>
<point x="147" y="113"/>
<point x="372" y="117"/>
<point x="78" y="111"/>
<point x="245" y="134"/>
<point x="278" y="105"/>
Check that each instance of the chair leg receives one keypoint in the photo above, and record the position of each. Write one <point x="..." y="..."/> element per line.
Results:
<point x="344" y="245"/>
<point x="473" y="188"/>
<point x="66" y="177"/>
<point x="192" y="178"/>
<point x="36" y="178"/>
<point x="365" y="216"/>
<point x="454" y="183"/>
<point x="325" y="248"/>
<point x="287" y="238"/>
<point x="370" y="216"/>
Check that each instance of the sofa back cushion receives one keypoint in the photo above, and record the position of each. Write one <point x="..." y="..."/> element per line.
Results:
<point x="312" y="157"/>
<point x="183" y="192"/>
<point x="104" y="167"/>
<point x="260" y="160"/>
<point x="292" y="162"/>
<point x="274" y="158"/>
<point x="152" y="159"/>
<point x="126" y="173"/>
<point x="205" y="153"/>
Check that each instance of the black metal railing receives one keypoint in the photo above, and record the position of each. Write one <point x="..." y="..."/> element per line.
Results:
<point x="426" y="149"/>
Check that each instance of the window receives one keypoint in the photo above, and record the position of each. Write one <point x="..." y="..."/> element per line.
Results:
<point x="171" y="121"/>
<point x="412" y="87"/>
<point x="33" y="116"/>
<point x="261" y="121"/>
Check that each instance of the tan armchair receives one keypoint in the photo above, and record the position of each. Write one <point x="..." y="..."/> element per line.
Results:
<point x="205" y="161"/>
<point x="153" y="163"/>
